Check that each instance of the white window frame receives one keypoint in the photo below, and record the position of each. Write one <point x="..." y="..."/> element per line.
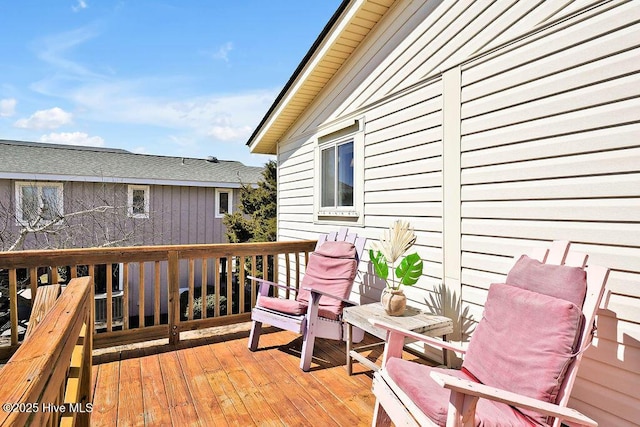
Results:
<point x="228" y="191"/>
<point x="39" y="185"/>
<point x="147" y="194"/>
<point x="343" y="132"/>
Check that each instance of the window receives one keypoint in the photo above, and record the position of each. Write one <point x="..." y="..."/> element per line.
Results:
<point x="38" y="203"/>
<point x="339" y="166"/>
<point x="224" y="202"/>
<point x="138" y="201"/>
<point x="337" y="175"/>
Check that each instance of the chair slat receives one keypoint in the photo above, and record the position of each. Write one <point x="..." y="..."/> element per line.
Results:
<point x="558" y="252"/>
<point x="539" y="254"/>
<point x="321" y="239"/>
<point x="342" y="235"/>
<point x="576" y="259"/>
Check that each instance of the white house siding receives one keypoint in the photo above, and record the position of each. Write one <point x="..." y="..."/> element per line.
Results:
<point x="550" y="151"/>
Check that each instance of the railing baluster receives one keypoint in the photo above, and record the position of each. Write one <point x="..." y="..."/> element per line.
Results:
<point x="203" y="289"/>
<point x="265" y="274"/>
<point x="13" y="305"/>
<point x="33" y="283"/>
<point x="125" y="296"/>
<point x="287" y="261"/>
<point x="141" y="286"/>
<point x="254" y="295"/>
<point x="241" y="283"/>
<point x="229" y="284"/>
<point x="54" y="276"/>
<point x="297" y="271"/>
<point x="192" y="279"/>
<point x="276" y="261"/>
<point x="216" y="291"/>
<point x="109" y="270"/>
<point x="156" y="293"/>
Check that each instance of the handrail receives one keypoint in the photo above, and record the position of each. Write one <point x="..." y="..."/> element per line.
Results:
<point x="166" y="289"/>
<point x="48" y="379"/>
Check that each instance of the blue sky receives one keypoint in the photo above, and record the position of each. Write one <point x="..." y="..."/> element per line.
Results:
<point x="179" y="78"/>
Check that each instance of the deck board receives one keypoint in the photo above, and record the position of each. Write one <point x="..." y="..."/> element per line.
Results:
<point x="154" y="395"/>
<point x="217" y="381"/>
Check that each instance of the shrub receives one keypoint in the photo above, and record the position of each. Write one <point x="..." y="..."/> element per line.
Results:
<point x="211" y="304"/>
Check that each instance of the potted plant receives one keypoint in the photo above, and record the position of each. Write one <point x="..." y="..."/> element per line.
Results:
<point x="393" y="244"/>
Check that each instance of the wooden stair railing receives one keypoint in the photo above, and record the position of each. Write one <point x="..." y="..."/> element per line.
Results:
<point x="48" y="379"/>
<point x="45" y="298"/>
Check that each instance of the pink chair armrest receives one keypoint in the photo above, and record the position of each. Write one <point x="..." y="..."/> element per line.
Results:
<point x="393" y="330"/>
<point x="460" y="386"/>
<point x="264" y="290"/>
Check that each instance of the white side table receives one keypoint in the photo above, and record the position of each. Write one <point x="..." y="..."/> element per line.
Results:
<point x="413" y="319"/>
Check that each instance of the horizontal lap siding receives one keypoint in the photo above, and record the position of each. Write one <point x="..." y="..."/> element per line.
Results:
<point x="403" y="176"/>
<point x="550" y="150"/>
<point x="448" y="33"/>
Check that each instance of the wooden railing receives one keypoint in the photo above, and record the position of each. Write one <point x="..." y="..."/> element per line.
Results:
<point x="48" y="379"/>
<point x="165" y="289"/>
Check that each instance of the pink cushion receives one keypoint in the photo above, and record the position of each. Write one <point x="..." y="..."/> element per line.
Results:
<point x="283" y="305"/>
<point x="331" y="269"/>
<point x="433" y="400"/>
<point x="524" y="343"/>
<point x="560" y="281"/>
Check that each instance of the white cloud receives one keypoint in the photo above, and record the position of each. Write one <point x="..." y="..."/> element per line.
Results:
<point x="225" y="117"/>
<point x="96" y="97"/>
<point x="7" y="107"/>
<point x="45" y="119"/>
<point x="73" y="138"/>
<point x="80" y="4"/>
<point x="223" y="52"/>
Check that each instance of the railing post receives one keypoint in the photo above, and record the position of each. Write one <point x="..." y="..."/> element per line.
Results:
<point x="174" y="297"/>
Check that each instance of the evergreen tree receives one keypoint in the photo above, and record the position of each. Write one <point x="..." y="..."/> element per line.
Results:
<point x="255" y="220"/>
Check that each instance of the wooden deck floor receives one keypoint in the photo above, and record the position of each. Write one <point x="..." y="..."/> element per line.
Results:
<point x="217" y="381"/>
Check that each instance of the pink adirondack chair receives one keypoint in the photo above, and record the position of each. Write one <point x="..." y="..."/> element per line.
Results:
<point x="521" y="362"/>
<point x="317" y="310"/>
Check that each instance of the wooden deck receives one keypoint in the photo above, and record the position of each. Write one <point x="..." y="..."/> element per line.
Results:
<point x="217" y="381"/>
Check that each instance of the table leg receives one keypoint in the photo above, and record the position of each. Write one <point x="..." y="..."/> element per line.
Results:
<point x="445" y="356"/>
<point x="349" y="345"/>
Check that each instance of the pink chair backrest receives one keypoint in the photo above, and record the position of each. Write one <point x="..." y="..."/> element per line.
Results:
<point x="332" y="269"/>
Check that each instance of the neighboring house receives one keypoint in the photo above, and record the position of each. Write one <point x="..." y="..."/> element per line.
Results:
<point x="111" y="197"/>
<point x="491" y="127"/>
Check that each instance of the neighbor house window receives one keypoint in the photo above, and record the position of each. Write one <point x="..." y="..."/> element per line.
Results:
<point x="38" y="203"/>
<point x="223" y="202"/>
<point x="339" y="171"/>
<point x="138" y="201"/>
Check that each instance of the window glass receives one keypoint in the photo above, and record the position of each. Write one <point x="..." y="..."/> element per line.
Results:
<point x="49" y="203"/>
<point x="223" y="204"/>
<point x="328" y="176"/>
<point x="337" y="175"/>
<point x="138" y="204"/>
<point x="29" y="204"/>
<point x="345" y="174"/>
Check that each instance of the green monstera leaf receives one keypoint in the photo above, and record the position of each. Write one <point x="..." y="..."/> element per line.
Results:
<point x="409" y="270"/>
<point x="379" y="264"/>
